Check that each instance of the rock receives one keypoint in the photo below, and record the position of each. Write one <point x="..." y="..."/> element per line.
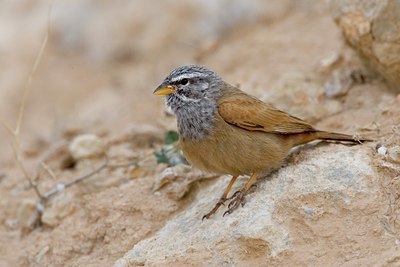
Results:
<point x="86" y="146"/>
<point x="336" y="177"/>
<point x="178" y="180"/>
<point x="61" y="206"/>
<point x="41" y="254"/>
<point x="394" y="153"/>
<point x="371" y="28"/>
<point x="27" y="214"/>
<point x="339" y="83"/>
<point x="330" y="63"/>
<point x="382" y="150"/>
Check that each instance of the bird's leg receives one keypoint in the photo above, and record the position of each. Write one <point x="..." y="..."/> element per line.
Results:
<point x="239" y="196"/>
<point x="223" y="198"/>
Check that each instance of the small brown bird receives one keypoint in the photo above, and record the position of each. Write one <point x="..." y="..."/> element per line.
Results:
<point x="224" y="130"/>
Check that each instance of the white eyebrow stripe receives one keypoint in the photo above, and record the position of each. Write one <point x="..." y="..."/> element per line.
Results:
<point x="188" y="76"/>
<point x="187" y="99"/>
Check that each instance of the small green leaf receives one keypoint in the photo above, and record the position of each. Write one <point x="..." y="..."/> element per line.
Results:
<point x="171" y="137"/>
<point x="161" y="157"/>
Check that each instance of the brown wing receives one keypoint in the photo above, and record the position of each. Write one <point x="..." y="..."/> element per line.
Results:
<point x="252" y="114"/>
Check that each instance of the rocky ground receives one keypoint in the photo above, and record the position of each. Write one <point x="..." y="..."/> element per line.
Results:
<point x="331" y="204"/>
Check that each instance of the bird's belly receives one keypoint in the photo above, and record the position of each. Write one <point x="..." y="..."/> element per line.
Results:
<point x="232" y="150"/>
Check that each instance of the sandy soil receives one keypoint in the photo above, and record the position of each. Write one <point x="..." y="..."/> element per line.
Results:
<point x="103" y="84"/>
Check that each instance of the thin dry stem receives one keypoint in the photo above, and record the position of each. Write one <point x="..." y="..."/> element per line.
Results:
<point x="63" y="186"/>
<point x="32" y="74"/>
<point x="15" y="133"/>
<point x="26" y="174"/>
<point x="7" y="126"/>
<point x="48" y="170"/>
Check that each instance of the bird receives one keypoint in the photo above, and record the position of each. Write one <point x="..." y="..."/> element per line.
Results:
<point x="226" y="131"/>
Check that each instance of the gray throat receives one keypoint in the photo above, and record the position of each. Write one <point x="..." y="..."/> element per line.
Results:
<point x="196" y="120"/>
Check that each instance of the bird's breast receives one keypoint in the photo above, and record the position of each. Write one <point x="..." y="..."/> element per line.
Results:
<point x="227" y="149"/>
<point x="196" y="121"/>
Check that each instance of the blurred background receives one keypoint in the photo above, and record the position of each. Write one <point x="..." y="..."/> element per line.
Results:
<point x="103" y="59"/>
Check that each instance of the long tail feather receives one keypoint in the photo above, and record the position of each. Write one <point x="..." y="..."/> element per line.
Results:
<point x="329" y="136"/>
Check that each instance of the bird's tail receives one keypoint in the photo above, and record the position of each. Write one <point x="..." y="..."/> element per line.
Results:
<point x="328" y="136"/>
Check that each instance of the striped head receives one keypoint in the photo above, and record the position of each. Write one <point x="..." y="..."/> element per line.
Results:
<point x="192" y="93"/>
<point x="189" y="84"/>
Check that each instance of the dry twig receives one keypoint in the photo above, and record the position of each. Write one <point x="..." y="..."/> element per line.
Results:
<point x="15" y="133"/>
<point x="62" y="186"/>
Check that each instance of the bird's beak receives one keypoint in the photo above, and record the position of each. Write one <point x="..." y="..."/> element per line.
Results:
<point x="164" y="90"/>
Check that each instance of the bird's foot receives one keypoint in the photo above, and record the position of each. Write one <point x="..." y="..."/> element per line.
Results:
<point x="239" y="198"/>
<point x="220" y="202"/>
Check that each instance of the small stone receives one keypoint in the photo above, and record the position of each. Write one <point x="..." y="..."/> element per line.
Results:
<point x="308" y="211"/>
<point x="328" y="64"/>
<point x="87" y="146"/>
<point x="394" y="153"/>
<point x="11" y="223"/>
<point x="169" y="175"/>
<point x="27" y="214"/>
<point x="338" y="84"/>
<point x="382" y="150"/>
<point x="42" y="252"/>
<point x="59" y="209"/>
<point x="178" y="180"/>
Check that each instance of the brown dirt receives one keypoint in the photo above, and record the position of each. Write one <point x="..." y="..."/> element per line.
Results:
<point x="102" y="218"/>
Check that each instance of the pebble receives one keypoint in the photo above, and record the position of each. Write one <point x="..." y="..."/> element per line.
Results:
<point x="87" y="146"/>
<point x="382" y="150"/>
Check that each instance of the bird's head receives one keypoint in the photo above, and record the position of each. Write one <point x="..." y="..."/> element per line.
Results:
<point x="189" y="84"/>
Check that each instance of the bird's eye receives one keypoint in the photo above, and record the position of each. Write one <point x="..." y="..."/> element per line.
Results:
<point x="184" y="81"/>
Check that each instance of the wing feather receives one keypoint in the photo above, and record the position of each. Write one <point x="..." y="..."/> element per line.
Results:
<point x="252" y="114"/>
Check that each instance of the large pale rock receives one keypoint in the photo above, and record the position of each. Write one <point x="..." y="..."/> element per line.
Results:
<point x="258" y="232"/>
<point x="371" y="27"/>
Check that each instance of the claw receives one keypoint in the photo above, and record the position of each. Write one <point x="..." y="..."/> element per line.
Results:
<point x="220" y="202"/>
<point x="238" y="199"/>
<point x="234" y="204"/>
<point x="226" y="213"/>
<point x="251" y="189"/>
<point x="234" y="195"/>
